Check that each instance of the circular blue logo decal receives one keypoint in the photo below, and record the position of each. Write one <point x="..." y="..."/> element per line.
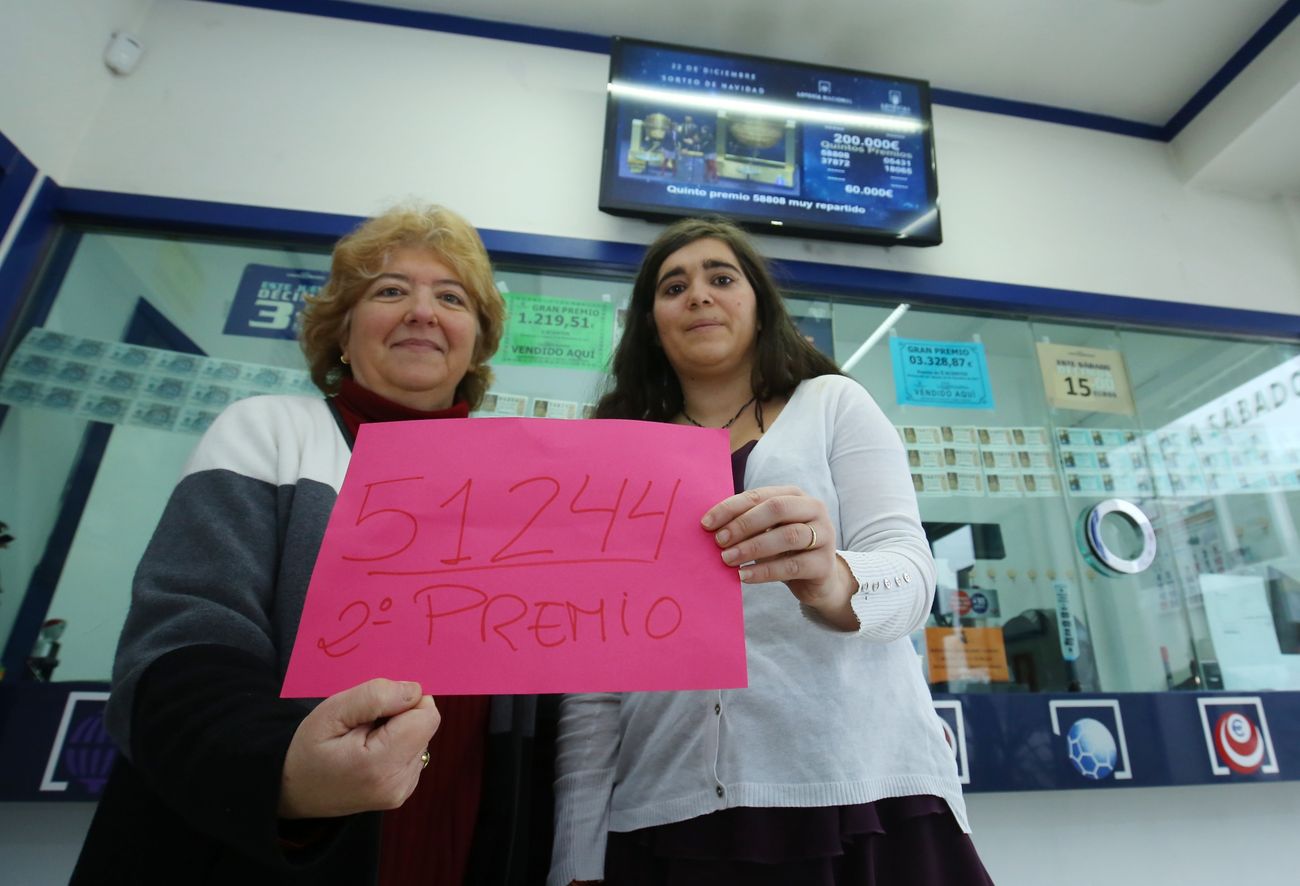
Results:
<point x="1092" y="748"/>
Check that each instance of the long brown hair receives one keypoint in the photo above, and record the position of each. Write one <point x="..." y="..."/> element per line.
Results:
<point x="359" y="258"/>
<point x="642" y="382"/>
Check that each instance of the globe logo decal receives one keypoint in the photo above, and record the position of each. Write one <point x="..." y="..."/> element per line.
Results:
<point x="1238" y="743"/>
<point x="1092" y="748"/>
<point x="88" y="753"/>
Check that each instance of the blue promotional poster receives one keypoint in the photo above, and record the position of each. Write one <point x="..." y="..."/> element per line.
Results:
<point x="951" y="374"/>
<point x="777" y="142"/>
<point x="268" y="300"/>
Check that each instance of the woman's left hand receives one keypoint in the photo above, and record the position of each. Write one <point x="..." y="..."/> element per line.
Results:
<point x="783" y="534"/>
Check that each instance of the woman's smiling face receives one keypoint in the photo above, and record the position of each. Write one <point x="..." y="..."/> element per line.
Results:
<point x="705" y="311"/>
<point x="411" y="336"/>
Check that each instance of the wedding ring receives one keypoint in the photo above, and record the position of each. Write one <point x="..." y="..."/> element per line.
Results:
<point x="424" y="759"/>
<point x="812" y="542"/>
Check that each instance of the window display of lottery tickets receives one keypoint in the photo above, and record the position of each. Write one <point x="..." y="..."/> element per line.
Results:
<point x="145" y="340"/>
<point x="147" y="337"/>
<point x="1198" y="432"/>
<point x="991" y="497"/>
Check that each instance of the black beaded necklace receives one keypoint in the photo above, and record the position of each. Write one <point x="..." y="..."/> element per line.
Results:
<point x="687" y="416"/>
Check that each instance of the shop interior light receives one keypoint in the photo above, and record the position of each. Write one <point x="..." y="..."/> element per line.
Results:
<point x="881" y="331"/>
<point x="757" y="107"/>
<point x="925" y="218"/>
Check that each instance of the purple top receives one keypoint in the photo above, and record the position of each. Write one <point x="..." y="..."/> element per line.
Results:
<point x="739" y="459"/>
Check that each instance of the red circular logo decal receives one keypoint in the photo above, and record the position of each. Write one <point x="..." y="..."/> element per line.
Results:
<point x="961" y="603"/>
<point x="1239" y="743"/>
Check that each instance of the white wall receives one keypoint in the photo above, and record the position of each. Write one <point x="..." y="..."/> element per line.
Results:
<point x="55" y="80"/>
<point x="1189" y="836"/>
<point x="1240" y="140"/>
<point x="40" y="842"/>
<point x="268" y="108"/>
<point x="1291" y="209"/>
<point x="271" y="109"/>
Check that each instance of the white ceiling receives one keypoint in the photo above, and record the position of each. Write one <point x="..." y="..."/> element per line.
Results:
<point x="1136" y="60"/>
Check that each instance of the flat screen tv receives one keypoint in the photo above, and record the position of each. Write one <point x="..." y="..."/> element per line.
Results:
<point x="779" y="147"/>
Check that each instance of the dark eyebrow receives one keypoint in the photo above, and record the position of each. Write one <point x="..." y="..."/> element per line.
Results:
<point x="674" y="272"/>
<point x="709" y="264"/>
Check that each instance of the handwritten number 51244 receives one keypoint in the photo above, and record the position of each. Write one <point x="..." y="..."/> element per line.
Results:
<point x="526" y="492"/>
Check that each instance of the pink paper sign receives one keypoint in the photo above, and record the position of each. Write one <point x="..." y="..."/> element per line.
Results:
<point x="507" y="555"/>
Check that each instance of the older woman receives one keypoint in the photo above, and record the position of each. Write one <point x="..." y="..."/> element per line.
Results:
<point x="222" y="781"/>
<point x="832" y="766"/>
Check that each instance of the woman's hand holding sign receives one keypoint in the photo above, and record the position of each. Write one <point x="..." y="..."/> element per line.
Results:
<point x="780" y="533"/>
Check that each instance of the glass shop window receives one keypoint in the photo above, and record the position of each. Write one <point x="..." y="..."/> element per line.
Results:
<point x="142" y="342"/>
<point x="1111" y="510"/>
<point x="107" y="385"/>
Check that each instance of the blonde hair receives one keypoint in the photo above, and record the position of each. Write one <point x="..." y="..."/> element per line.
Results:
<point x="359" y="258"/>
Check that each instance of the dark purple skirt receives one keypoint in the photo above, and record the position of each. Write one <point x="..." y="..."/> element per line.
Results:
<point x="900" y="841"/>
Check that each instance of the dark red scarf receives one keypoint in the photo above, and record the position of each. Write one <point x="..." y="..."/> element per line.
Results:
<point x="427" y="841"/>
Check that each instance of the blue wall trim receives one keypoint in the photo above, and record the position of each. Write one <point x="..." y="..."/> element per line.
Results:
<point x="16" y="174"/>
<point x="434" y="21"/>
<point x="8" y="150"/>
<point x="25" y="255"/>
<point x="1276" y="24"/>
<point x="1041" y="301"/>
<point x="1008" y="742"/>
<point x="1046" y="114"/>
<point x="229" y="219"/>
<point x="472" y="27"/>
<point x="561" y="252"/>
<point x="850" y="282"/>
<point x="17" y="177"/>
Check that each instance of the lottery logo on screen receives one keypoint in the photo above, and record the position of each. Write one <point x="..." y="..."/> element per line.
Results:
<point x="1092" y="737"/>
<point x="895" y="105"/>
<point x="954" y="732"/>
<point x="1237" y="739"/>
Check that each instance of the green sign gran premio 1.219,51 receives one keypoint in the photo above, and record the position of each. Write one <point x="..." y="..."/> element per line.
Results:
<point x="561" y="332"/>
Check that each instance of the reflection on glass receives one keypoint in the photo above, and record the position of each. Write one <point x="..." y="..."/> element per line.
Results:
<point x="1209" y="450"/>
